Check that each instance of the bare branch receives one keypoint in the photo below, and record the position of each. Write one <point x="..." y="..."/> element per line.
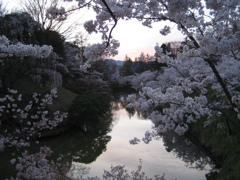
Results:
<point x="115" y="22"/>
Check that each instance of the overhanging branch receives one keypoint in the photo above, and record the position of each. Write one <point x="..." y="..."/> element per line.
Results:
<point x="115" y="22"/>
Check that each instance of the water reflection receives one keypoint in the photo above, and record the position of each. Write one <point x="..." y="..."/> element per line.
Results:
<point x="193" y="155"/>
<point x="167" y="154"/>
<point x="85" y="146"/>
<point x="117" y="105"/>
<point x="96" y="149"/>
<point x="75" y="146"/>
<point x="183" y="147"/>
<point x="91" y="147"/>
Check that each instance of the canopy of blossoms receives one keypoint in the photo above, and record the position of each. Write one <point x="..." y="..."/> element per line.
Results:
<point x="214" y="33"/>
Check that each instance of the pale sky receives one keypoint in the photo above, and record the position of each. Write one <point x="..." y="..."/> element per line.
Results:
<point x="134" y="38"/>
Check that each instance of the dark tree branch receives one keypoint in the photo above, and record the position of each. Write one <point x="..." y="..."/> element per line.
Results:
<point x="79" y="7"/>
<point x="221" y="82"/>
<point x="208" y="60"/>
<point x="115" y="22"/>
<point x="234" y="55"/>
<point x="214" y="69"/>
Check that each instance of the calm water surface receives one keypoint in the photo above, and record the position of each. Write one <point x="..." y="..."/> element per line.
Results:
<point x="155" y="158"/>
<point x="106" y="144"/>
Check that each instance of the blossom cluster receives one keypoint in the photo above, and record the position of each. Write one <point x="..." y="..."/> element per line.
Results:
<point x="191" y="17"/>
<point x="56" y="13"/>
<point x="98" y="51"/>
<point x="183" y="92"/>
<point x="23" y="126"/>
<point x="29" y="120"/>
<point x="38" y="166"/>
<point x="22" y="50"/>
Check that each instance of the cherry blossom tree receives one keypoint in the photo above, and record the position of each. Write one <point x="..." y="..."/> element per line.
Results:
<point x="201" y="83"/>
<point x="22" y="122"/>
<point x="19" y="61"/>
<point x="212" y="28"/>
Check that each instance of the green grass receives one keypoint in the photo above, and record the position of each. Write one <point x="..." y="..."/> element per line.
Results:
<point x="25" y="86"/>
<point x="64" y="100"/>
<point x="62" y="103"/>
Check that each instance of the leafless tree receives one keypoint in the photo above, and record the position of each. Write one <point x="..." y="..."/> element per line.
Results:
<point x="38" y="10"/>
<point x="3" y="9"/>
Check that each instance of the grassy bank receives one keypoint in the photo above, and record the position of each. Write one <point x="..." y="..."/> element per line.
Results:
<point x="223" y="141"/>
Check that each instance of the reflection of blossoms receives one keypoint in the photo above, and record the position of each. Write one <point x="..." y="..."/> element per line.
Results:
<point x="37" y="166"/>
<point x="148" y="137"/>
<point x="134" y="141"/>
<point x="120" y="172"/>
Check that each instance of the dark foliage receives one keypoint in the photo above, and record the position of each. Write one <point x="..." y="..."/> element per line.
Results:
<point x="21" y="27"/>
